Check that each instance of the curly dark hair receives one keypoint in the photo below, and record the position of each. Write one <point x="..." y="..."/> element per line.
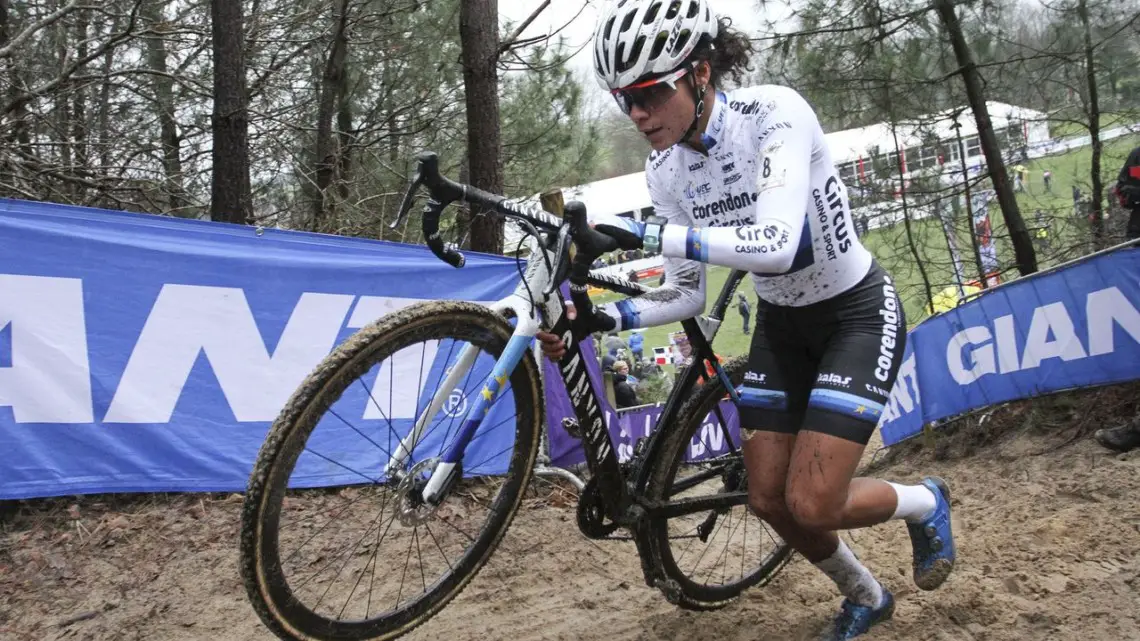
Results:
<point x="729" y="54"/>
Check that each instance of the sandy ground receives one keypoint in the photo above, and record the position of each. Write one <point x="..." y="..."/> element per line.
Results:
<point x="1047" y="525"/>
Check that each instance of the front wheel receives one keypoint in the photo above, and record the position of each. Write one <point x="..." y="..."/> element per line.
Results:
<point x="704" y="560"/>
<point x="373" y="560"/>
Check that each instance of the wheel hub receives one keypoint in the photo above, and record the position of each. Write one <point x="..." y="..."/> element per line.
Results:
<point x="412" y="510"/>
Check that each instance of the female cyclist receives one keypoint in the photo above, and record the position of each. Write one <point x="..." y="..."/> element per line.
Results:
<point x="744" y="179"/>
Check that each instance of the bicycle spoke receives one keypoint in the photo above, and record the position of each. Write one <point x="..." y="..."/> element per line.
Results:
<point x="747" y="518"/>
<point x="366" y="533"/>
<point x="352" y="427"/>
<point x="456" y="528"/>
<point x="372" y="580"/>
<point x="343" y="509"/>
<point x="724" y="554"/>
<point x="420" y="556"/>
<point x="338" y="464"/>
<point x="496" y="454"/>
<point x="360" y="578"/>
<point x="438" y="547"/>
<point x="407" y="558"/>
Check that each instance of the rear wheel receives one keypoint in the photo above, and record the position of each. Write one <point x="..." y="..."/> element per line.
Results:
<point x="706" y="559"/>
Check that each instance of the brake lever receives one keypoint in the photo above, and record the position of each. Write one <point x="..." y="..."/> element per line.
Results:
<point x="562" y="249"/>
<point x="409" y="198"/>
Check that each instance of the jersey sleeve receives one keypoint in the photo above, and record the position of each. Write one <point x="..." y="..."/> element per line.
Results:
<point x="783" y="140"/>
<point x="683" y="294"/>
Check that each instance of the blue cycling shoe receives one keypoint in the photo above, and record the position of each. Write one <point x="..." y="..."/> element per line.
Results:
<point x="933" y="540"/>
<point x="854" y="620"/>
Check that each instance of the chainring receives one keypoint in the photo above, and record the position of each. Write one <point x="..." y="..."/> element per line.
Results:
<point x="592" y="519"/>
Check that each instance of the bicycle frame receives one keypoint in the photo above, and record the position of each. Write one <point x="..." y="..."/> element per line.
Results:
<point x="537" y="303"/>
<point x="590" y="424"/>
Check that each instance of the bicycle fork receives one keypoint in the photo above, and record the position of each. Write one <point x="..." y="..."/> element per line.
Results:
<point x="449" y="468"/>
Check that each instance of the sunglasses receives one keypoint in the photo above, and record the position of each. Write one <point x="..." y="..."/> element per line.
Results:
<point x="648" y="95"/>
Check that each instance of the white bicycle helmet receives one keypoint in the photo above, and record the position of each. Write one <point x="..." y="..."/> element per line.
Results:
<point x="640" y="38"/>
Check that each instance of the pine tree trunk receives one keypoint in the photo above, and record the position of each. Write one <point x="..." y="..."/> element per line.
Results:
<point x="325" y="157"/>
<point x="479" y="32"/>
<point x="230" y="197"/>
<point x="1097" y="197"/>
<point x="79" y="109"/>
<point x="164" y="95"/>
<point x="1023" y="251"/>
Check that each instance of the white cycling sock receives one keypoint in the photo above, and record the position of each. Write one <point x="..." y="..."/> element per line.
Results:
<point x="853" y="578"/>
<point x="916" y="502"/>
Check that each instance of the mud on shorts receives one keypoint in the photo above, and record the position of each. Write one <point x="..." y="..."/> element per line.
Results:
<point x="826" y="367"/>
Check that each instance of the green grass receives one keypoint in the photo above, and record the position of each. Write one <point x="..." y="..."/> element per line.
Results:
<point x="1068" y="239"/>
<point x="1108" y="120"/>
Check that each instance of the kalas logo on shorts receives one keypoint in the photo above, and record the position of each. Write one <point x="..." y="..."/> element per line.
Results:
<point x="726" y="204"/>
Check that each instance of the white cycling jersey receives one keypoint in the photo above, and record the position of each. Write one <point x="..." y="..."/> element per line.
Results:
<point x="766" y="199"/>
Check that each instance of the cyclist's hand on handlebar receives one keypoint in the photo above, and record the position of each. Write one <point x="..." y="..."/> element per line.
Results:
<point x="628" y="233"/>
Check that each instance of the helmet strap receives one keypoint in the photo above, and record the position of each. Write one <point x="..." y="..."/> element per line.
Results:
<point x="700" y="110"/>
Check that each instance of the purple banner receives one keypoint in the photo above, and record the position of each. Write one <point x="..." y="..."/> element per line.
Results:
<point x="626" y="426"/>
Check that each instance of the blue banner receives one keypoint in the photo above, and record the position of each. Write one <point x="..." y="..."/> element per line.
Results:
<point x="144" y="353"/>
<point x="1075" y="327"/>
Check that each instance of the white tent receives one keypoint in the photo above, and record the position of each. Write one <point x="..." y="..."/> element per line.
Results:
<point x="852" y="144"/>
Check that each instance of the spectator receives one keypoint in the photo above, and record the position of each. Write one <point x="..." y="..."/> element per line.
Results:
<point x="1124" y="438"/>
<point x="745" y="312"/>
<point x="1048" y="176"/>
<point x="624" y="394"/>
<point x="613" y="343"/>
<point x="1128" y="190"/>
<point x="608" y="361"/>
<point x="1041" y="229"/>
<point x="647" y="368"/>
<point x="633" y="275"/>
<point x="636" y="341"/>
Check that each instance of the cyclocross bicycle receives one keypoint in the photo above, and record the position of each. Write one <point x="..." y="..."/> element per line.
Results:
<point x="424" y="485"/>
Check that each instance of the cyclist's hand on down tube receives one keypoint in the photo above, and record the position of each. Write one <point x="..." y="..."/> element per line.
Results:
<point x="552" y="344"/>
<point x="555" y="348"/>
